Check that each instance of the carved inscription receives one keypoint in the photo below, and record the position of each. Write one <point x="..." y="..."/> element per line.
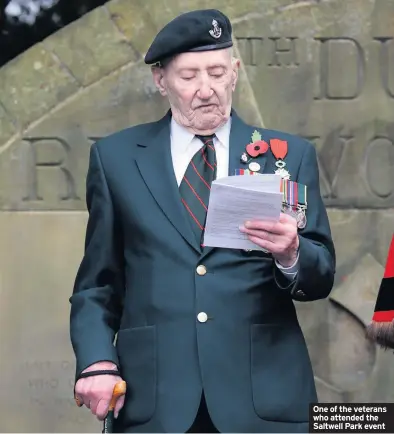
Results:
<point x="272" y="51"/>
<point x="379" y="166"/>
<point x="51" y="380"/>
<point x="375" y="166"/>
<point x="341" y="62"/>
<point x="386" y="60"/>
<point x="283" y="52"/>
<point x="345" y="54"/>
<point x="250" y="50"/>
<point x="35" y="164"/>
<point x="376" y="172"/>
<point x="331" y="160"/>
<point x="45" y="376"/>
<point x="39" y="383"/>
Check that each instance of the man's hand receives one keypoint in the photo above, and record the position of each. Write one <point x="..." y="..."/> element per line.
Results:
<point x="280" y="239"/>
<point x="96" y="392"/>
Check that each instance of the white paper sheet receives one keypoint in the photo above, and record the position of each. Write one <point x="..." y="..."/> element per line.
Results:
<point x="234" y="201"/>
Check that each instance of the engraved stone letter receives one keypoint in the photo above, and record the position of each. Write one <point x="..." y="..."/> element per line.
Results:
<point x="55" y="152"/>
<point x="342" y="69"/>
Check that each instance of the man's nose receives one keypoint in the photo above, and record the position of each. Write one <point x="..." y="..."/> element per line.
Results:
<point x="205" y="91"/>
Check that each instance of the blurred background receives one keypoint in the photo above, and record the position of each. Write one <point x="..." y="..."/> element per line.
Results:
<point x="72" y="71"/>
<point x="26" y="22"/>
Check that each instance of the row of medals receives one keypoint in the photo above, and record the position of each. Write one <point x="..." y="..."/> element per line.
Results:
<point x="298" y="214"/>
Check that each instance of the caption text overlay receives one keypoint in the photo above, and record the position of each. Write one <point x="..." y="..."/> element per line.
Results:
<point x="351" y="418"/>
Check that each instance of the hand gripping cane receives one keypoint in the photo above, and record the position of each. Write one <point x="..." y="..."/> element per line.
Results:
<point x="119" y="390"/>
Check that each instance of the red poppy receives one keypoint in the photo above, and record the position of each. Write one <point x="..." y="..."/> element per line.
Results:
<point x="257" y="148"/>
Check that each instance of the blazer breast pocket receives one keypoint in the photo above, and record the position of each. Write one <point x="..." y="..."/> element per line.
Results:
<point x="137" y="357"/>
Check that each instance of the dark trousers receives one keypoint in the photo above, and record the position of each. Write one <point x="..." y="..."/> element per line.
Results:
<point x="203" y="422"/>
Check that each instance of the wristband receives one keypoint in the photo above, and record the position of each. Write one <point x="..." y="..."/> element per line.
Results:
<point x="101" y="372"/>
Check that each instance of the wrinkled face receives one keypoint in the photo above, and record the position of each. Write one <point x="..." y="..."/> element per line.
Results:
<point x="199" y="87"/>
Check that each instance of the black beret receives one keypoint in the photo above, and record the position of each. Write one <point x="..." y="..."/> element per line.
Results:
<point x="200" y="30"/>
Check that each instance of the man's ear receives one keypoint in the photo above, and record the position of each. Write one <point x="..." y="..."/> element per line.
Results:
<point x="236" y="63"/>
<point x="158" y="78"/>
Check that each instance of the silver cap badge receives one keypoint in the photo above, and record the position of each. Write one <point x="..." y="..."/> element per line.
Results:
<point x="216" y="32"/>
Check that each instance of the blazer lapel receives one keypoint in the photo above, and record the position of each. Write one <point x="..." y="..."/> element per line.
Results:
<point x="155" y="165"/>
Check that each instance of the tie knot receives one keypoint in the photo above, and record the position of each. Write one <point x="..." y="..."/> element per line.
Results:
<point x="207" y="140"/>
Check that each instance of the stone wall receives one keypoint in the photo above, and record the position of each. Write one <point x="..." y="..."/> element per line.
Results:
<point x="321" y="69"/>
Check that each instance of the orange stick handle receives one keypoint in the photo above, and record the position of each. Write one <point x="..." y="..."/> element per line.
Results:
<point x="119" y="390"/>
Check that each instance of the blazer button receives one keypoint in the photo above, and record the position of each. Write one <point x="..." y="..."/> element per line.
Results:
<point x="202" y="317"/>
<point x="201" y="270"/>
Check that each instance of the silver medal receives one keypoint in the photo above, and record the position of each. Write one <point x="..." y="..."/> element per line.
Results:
<point x="283" y="173"/>
<point x="301" y="219"/>
<point x="287" y="209"/>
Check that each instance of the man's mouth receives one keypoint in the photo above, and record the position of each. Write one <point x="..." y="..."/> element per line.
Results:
<point x="206" y="105"/>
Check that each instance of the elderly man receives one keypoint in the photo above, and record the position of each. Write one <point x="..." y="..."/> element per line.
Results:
<point x="207" y="339"/>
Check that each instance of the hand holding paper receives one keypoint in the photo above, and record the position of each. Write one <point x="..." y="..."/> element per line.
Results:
<point x="235" y="200"/>
<point x="279" y="238"/>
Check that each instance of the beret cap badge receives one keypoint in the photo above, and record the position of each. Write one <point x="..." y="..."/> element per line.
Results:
<point x="216" y="32"/>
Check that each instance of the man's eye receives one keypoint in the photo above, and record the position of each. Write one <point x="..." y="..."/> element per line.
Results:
<point x="217" y="73"/>
<point x="187" y="78"/>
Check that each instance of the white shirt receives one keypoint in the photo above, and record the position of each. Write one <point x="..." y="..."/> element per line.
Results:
<point x="184" y="145"/>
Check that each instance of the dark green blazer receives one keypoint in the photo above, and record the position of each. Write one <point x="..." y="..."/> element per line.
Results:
<point x="138" y="280"/>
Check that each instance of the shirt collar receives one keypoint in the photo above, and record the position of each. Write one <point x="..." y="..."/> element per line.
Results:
<point x="184" y="137"/>
<point x="223" y="133"/>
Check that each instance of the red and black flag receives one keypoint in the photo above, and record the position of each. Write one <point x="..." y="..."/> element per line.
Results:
<point x="381" y="328"/>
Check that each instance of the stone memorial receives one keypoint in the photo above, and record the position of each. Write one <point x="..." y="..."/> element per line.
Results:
<point x="321" y="69"/>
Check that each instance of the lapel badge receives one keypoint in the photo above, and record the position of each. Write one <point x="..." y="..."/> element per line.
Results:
<point x="216" y="32"/>
<point x="244" y="158"/>
<point x="254" y="167"/>
<point x="255" y="148"/>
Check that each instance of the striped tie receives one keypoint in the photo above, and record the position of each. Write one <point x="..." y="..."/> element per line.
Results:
<point x="196" y="185"/>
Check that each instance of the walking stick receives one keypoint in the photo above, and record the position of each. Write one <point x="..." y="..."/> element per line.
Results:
<point x="119" y="390"/>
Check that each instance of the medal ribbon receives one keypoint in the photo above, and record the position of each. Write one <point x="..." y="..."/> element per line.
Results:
<point x="279" y="148"/>
<point x="302" y="195"/>
<point x="244" y="172"/>
<point x="290" y="192"/>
